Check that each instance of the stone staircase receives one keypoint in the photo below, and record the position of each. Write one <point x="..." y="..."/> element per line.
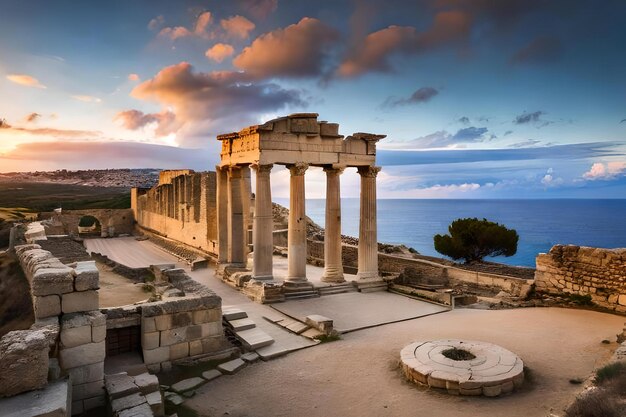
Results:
<point x="193" y="257"/>
<point x="244" y="329"/>
<point x="337" y="289"/>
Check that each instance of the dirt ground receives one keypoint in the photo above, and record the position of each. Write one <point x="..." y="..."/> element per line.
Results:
<point x="116" y="290"/>
<point x="359" y="375"/>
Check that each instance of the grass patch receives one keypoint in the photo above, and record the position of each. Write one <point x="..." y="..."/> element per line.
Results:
<point x="610" y="372"/>
<point x="595" y="404"/>
<point x="458" y="354"/>
<point x="327" y="338"/>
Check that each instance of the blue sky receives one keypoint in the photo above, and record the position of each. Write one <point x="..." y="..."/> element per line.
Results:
<point x="478" y="98"/>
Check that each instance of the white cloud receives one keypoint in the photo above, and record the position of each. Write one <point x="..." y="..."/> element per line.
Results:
<point x="605" y="170"/>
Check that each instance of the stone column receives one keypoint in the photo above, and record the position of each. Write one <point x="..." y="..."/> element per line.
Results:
<point x="263" y="241"/>
<point x="236" y="237"/>
<point x="368" y="240"/>
<point x="222" y="214"/>
<point x="246" y="196"/>
<point x="296" y="246"/>
<point x="333" y="267"/>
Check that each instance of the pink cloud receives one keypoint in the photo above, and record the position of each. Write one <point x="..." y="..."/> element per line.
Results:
<point x="26" y="80"/>
<point x="156" y="23"/>
<point x="219" y="52"/>
<point x="375" y="50"/>
<point x="605" y="171"/>
<point x="133" y="77"/>
<point x="134" y="119"/>
<point x="175" y="32"/>
<point x="202" y="23"/>
<point x="212" y="102"/>
<point x="237" y="27"/>
<point x="298" y="50"/>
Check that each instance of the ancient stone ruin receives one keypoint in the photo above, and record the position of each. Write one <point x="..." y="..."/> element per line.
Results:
<point x="296" y="141"/>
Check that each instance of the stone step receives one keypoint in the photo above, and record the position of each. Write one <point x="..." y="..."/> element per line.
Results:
<point x="233" y="313"/>
<point x="301" y="295"/>
<point x="293" y="325"/>
<point x="254" y="339"/>
<point x="337" y="289"/>
<point x="241" y="324"/>
<point x="187" y="384"/>
<point x="374" y="286"/>
<point x="231" y="367"/>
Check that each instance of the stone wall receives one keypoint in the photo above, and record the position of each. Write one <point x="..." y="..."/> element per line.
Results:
<point x="599" y="273"/>
<point x="396" y="264"/>
<point x="113" y="222"/>
<point x="182" y="207"/>
<point x="182" y="327"/>
<point x="68" y="296"/>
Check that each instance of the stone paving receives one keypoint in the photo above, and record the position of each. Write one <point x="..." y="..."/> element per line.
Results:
<point x="493" y="370"/>
<point x="354" y="311"/>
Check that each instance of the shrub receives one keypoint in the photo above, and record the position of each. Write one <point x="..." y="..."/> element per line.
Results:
<point x="472" y="239"/>
<point x="610" y="372"/>
<point x="598" y="403"/>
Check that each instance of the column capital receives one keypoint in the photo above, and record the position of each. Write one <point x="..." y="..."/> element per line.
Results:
<point x="334" y="169"/>
<point x="298" y="169"/>
<point x="369" y="171"/>
<point x="262" y="169"/>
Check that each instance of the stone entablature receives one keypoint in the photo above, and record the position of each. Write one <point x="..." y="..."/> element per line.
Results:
<point x="600" y="273"/>
<point x="296" y="138"/>
<point x="297" y="141"/>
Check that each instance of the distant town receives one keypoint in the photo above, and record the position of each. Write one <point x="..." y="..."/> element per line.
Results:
<point x="126" y="178"/>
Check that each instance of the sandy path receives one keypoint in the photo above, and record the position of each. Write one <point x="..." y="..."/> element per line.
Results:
<point x="358" y="376"/>
<point x="130" y="252"/>
<point x="116" y="290"/>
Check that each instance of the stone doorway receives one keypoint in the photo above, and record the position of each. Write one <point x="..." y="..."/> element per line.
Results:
<point x="89" y="226"/>
<point x="123" y="340"/>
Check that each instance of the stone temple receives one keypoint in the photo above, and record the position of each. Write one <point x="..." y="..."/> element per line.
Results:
<point x="297" y="141"/>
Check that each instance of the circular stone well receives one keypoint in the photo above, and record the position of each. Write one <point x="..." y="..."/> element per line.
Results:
<point x="493" y="371"/>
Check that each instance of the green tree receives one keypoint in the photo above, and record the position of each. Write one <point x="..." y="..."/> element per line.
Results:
<point x="472" y="239"/>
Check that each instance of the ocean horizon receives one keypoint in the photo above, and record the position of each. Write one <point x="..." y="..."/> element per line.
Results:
<point x="540" y="223"/>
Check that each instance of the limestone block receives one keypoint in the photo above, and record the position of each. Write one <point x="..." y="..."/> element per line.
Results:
<point x="179" y="351"/>
<point x="173" y="336"/>
<point x="187" y="384"/>
<point x="50" y="281"/>
<point x="213" y="344"/>
<point x="47" y="306"/>
<point x="195" y="348"/>
<point x="148" y="324"/>
<point x="129" y="401"/>
<point x="147" y="383"/>
<point x="193" y="332"/>
<point x="88" y="390"/>
<point x="77" y="407"/>
<point x="82" y="355"/>
<point x="612" y="299"/>
<point x="142" y="410"/>
<point x="51" y="401"/>
<point x="622" y="300"/>
<point x="163" y="322"/>
<point x="79" y="301"/>
<point x="321" y="323"/>
<point x="54" y="369"/>
<point x="86" y="276"/>
<point x="176" y="305"/>
<point x="150" y="340"/>
<point x="23" y="361"/>
<point x="206" y="316"/>
<point x="87" y="373"/>
<point x="75" y="336"/>
<point x="157" y="355"/>
<point x="155" y="401"/>
<point x="212" y="329"/>
<point x="120" y="385"/>
<point x="492" y="391"/>
<point x="98" y="333"/>
<point x="182" y="319"/>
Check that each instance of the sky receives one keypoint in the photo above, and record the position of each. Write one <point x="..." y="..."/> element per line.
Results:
<point x="478" y="98"/>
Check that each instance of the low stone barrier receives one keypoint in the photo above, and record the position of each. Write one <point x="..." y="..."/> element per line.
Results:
<point x="68" y="295"/>
<point x="594" y="272"/>
<point x="181" y="327"/>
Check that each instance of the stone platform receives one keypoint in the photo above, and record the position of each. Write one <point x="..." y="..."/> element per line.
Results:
<point x="493" y="370"/>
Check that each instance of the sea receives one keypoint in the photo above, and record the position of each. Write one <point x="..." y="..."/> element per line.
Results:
<point x="539" y="223"/>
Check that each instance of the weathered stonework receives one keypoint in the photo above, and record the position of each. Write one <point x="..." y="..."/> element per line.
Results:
<point x="599" y="273"/>
<point x="180" y="207"/>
